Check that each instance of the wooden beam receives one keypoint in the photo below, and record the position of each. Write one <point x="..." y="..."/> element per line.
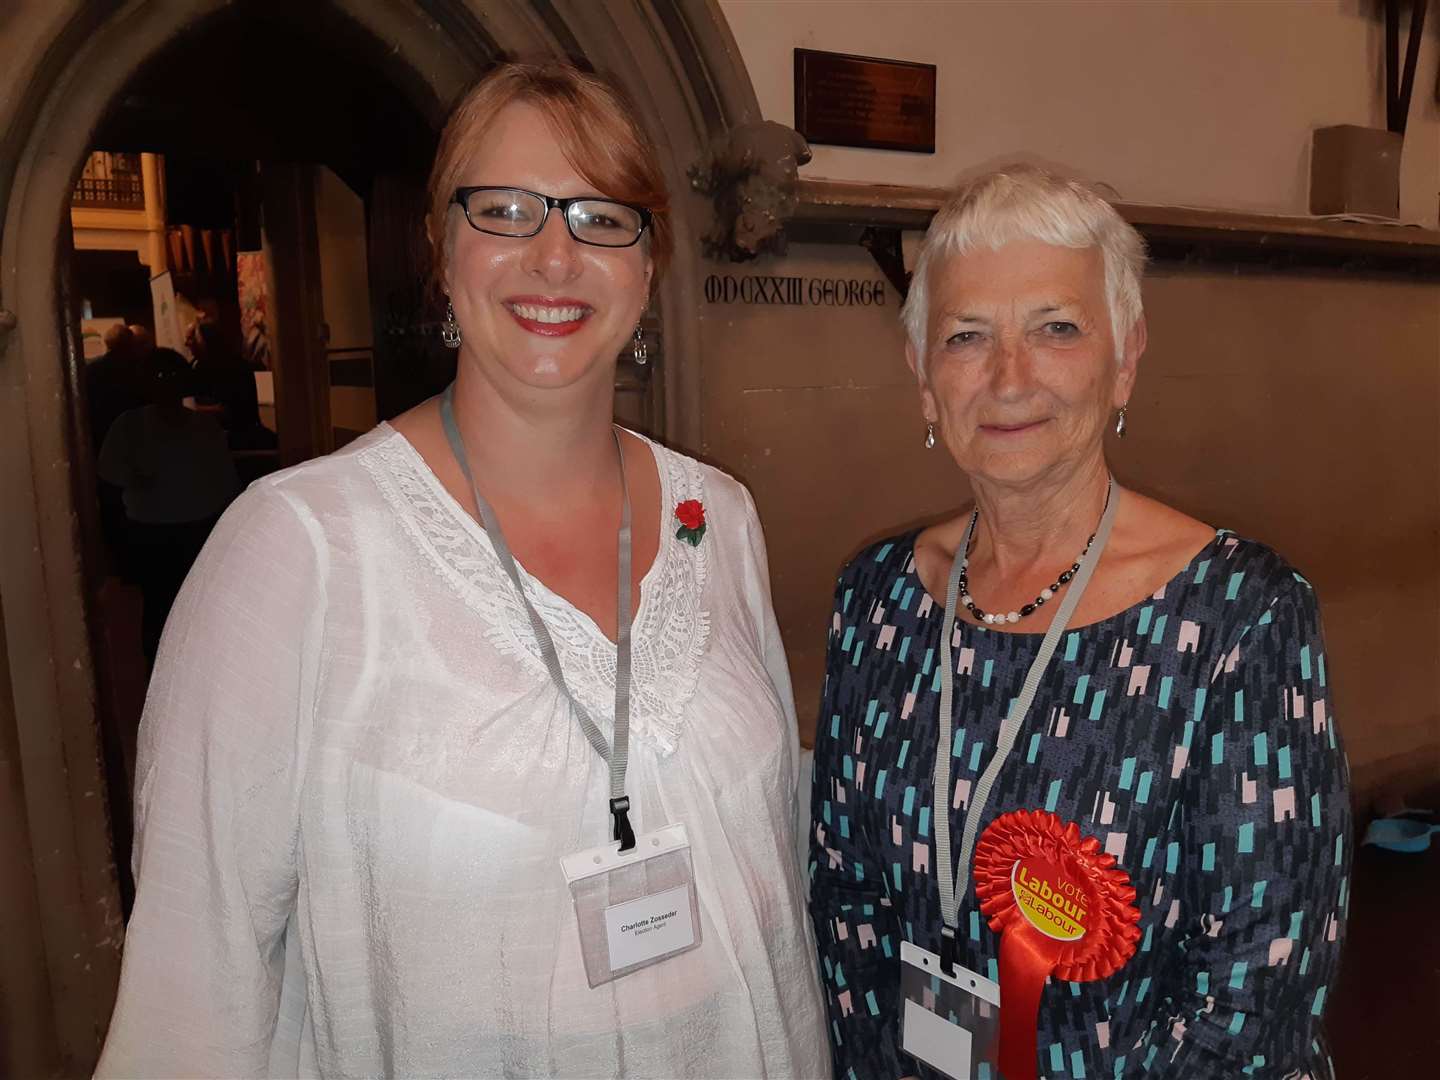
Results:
<point x="836" y="210"/>
<point x="302" y="377"/>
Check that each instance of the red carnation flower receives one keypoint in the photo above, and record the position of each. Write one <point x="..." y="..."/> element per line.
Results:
<point x="691" y="513"/>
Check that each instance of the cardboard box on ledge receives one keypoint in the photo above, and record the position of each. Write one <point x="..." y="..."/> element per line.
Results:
<point x="1355" y="170"/>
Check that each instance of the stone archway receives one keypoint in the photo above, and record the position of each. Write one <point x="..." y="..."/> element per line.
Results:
<point x="63" y="64"/>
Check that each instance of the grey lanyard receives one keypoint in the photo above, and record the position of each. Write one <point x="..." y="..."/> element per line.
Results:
<point x="951" y="888"/>
<point x="619" y="756"/>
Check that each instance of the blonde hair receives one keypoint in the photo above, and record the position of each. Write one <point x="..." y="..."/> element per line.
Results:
<point x="1026" y="202"/>
<point x="597" y="132"/>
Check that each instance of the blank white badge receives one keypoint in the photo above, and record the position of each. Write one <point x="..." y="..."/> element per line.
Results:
<point x="933" y="1040"/>
<point x="652" y="926"/>
<point x="950" y="1022"/>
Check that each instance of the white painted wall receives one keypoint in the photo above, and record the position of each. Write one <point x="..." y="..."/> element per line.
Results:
<point x="1181" y="102"/>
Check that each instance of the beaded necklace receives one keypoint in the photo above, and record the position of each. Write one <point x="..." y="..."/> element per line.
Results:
<point x="995" y="619"/>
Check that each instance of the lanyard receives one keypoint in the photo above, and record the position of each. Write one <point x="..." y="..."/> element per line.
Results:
<point x="953" y="888"/>
<point x="619" y="757"/>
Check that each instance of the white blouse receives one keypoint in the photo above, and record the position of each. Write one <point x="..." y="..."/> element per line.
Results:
<point x="357" y="782"/>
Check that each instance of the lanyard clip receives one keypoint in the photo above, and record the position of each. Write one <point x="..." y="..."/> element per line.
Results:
<point x="947" y="950"/>
<point x="620" y="809"/>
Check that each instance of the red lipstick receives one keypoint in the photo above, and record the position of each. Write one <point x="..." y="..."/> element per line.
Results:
<point x="549" y="316"/>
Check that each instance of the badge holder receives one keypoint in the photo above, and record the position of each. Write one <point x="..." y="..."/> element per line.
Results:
<point x="634" y="908"/>
<point x="950" y="1022"/>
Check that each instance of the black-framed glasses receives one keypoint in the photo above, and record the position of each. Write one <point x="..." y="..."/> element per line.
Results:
<point x="508" y="211"/>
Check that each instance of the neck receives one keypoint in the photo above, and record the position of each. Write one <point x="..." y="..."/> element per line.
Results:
<point x="1047" y="521"/>
<point x="522" y="442"/>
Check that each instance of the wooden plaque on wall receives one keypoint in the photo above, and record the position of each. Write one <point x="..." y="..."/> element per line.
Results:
<point x="847" y="100"/>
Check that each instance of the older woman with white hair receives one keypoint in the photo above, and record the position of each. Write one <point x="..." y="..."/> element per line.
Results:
<point x="1079" y="806"/>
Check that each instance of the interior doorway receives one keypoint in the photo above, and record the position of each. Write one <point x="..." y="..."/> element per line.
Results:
<point x="270" y="144"/>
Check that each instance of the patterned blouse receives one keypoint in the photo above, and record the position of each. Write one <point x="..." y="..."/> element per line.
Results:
<point x="1190" y="734"/>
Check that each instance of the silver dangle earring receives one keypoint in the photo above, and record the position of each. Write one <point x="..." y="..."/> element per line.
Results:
<point x="450" y="329"/>
<point x="929" y="436"/>
<point x="1120" y="423"/>
<point x="638" y="348"/>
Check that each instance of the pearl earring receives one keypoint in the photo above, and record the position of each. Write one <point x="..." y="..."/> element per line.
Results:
<point x="929" y="436"/>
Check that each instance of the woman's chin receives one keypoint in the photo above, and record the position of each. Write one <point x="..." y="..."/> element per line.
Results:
<point x="547" y="369"/>
<point x="1014" y="469"/>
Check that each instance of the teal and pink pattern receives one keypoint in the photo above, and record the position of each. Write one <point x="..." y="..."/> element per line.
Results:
<point x="1190" y="734"/>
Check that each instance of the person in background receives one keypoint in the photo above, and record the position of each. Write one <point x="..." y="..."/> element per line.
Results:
<point x="226" y="380"/>
<point x="174" y="472"/>
<point x="366" y="751"/>
<point x="143" y="338"/>
<point x="112" y="388"/>
<point x="1183" y="725"/>
<point x="253" y="446"/>
<point x="112" y="382"/>
<point x="222" y="376"/>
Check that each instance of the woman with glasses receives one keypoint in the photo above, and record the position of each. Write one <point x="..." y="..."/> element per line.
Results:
<point x="471" y="748"/>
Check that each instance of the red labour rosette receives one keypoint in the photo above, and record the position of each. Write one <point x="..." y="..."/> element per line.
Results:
<point x="1062" y="908"/>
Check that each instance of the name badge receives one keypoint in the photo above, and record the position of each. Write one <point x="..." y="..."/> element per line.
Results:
<point x="652" y="926"/>
<point x="950" y="1022"/>
<point x="635" y="908"/>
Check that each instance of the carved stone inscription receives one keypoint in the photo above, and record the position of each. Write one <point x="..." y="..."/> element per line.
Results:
<point x="796" y="291"/>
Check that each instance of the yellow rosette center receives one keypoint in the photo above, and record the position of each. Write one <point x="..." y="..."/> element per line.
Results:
<point x="1050" y="900"/>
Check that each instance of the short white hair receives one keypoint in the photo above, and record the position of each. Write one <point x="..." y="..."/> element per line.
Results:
<point x="1026" y="202"/>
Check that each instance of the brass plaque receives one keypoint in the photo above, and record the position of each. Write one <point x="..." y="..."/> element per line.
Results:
<point x="862" y="101"/>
